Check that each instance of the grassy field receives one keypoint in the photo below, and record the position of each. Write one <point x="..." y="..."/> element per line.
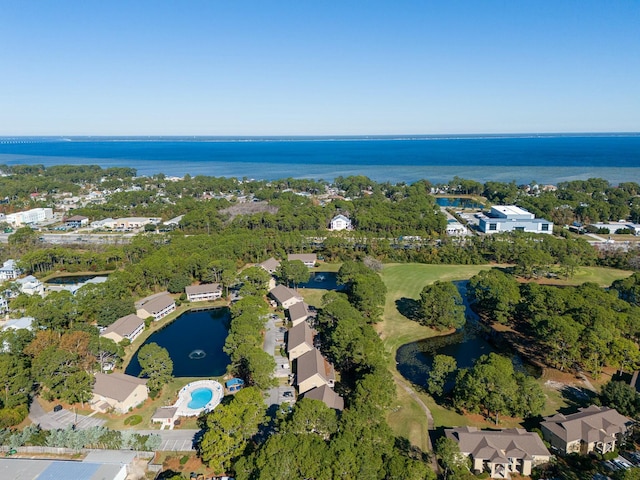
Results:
<point x="406" y="281"/>
<point x="600" y="275"/>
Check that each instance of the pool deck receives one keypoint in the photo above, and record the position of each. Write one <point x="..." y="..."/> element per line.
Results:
<point x="184" y="397"/>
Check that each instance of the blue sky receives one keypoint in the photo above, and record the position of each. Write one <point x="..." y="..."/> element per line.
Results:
<point x="325" y="68"/>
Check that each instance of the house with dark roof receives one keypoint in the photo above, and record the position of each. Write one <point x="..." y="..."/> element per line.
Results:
<point x="285" y="296"/>
<point x="500" y="452"/>
<point x="327" y="396"/>
<point x="128" y="327"/>
<point x="157" y="306"/>
<point x="592" y="429"/>
<point x="76" y="221"/>
<point x="313" y="371"/>
<point x="204" y="292"/>
<point x="299" y="340"/>
<point x="118" y="391"/>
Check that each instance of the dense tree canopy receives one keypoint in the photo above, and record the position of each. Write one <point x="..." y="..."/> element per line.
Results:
<point x="156" y="365"/>
<point x="441" y="306"/>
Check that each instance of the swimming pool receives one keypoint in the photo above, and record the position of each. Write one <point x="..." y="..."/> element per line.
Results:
<point x="200" y="398"/>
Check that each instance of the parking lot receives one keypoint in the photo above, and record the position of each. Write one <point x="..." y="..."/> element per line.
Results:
<point x="65" y="418"/>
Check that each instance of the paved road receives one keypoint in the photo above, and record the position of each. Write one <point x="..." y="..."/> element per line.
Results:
<point x="269" y="344"/>
<point x="174" y="440"/>
<point x="62" y="419"/>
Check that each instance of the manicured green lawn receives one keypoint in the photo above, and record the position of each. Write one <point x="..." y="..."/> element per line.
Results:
<point x="406" y="281"/>
<point x="600" y="275"/>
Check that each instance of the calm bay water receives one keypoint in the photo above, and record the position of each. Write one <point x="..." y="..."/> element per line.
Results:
<point x="545" y="159"/>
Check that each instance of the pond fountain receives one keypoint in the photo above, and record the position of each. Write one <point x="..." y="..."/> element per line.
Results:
<point x="194" y="341"/>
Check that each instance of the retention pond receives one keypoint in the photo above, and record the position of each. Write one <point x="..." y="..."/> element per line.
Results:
<point x="194" y="341"/>
<point x="414" y="360"/>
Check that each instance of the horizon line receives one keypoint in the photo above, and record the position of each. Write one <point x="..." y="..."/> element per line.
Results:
<point x="364" y="136"/>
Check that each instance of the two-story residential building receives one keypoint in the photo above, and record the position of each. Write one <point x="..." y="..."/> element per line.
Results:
<point x="340" y="222"/>
<point x="313" y="371"/>
<point x="309" y="259"/>
<point x="500" y="452"/>
<point x="327" y="396"/>
<point x="299" y="340"/>
<point x="129" y="327"/>
<point x="30" y="285"/>
<point x="204" y="292"/>
<point x="509" y="218"/>
<point x="157" y="306"/>
<point x="270" y="265"/>
<point x="9" y="270"/>
<point x="591" y="429"/>
<point x="298" y="313"/>
<point x="284" y="296"/>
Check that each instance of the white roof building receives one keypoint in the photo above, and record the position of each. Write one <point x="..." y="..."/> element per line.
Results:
<point x="340" y="222"/>
<point x="9" y="270"/>
<point x="509" y="218"/>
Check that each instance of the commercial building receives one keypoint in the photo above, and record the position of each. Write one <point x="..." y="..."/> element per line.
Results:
<point x="29" y="217"/>
<point x="509" y="218"/>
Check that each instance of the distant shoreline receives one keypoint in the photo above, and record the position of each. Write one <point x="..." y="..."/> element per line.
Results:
<point x="544" y="158"/>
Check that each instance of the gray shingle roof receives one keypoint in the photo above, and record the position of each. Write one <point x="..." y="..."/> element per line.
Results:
<point x="125" y="326"/>
<point x="298" y="335"/>
<point x="499" y="445"/>
<point x="589" y="424"/>
<point x="326" y="395"/>
<point x="116" y="385"/>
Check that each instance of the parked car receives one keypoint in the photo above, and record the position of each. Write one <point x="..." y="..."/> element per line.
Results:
<point x="57" y="408"/>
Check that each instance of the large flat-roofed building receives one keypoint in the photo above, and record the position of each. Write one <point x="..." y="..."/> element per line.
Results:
<point x="509" y="218"/>
<point x="28" y="217"/>
<point x="32" y="469"/>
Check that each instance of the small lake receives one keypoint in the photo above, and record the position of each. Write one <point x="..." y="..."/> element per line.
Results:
<point x="74" y="279"/>
<point x="194" y="341"/>
<point x="414" y="360"/>
<point x="322" y="281"/>
<point x="458" y="202"/>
